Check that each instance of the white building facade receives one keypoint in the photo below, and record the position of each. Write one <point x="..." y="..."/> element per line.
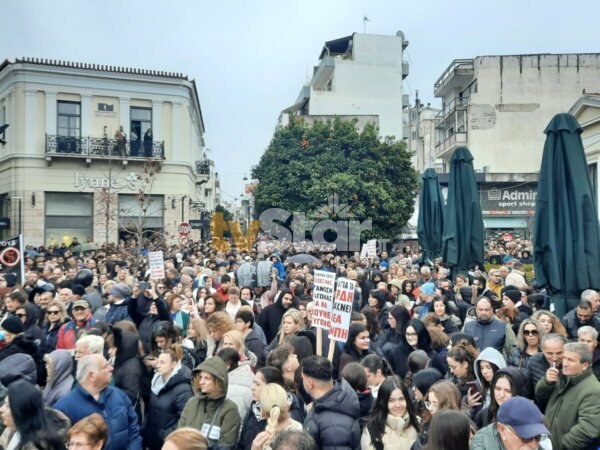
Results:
<point x="68" y="173"/>
<point x="358" y="76"/>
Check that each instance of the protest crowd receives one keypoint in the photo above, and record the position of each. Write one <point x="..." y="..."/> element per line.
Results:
<point x="292" y="348"/>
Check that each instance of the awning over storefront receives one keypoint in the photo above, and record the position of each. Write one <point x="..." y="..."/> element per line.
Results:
<point x="505" y="222"/>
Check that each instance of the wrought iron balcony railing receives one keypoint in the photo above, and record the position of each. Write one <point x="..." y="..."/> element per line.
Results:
<point x="90" y="147"/>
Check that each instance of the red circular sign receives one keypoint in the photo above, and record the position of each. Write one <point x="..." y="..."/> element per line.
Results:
<point x="184" y="229"/>
<point x="184" y="240"/>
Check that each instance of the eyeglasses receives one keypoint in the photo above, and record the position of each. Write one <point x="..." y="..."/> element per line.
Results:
<point x="530" y="332"/>
<point x="430" y="405"/>
<point x="20" y="314"/>
<point x="537" y="438"/>
<point x="51" y="313"/>
<point x="160" y="287"/>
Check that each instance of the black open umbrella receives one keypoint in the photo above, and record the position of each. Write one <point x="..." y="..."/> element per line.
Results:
<point x="430" y="225"/>
<point x="566" y="237"/>
<point x="463" y="224"/>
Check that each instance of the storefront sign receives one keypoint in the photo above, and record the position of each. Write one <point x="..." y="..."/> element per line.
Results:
<point x="513" y="200"/>
<point x="83" y="182"/>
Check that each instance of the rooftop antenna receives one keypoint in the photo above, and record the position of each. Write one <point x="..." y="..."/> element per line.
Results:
<point x="365" y="20"/>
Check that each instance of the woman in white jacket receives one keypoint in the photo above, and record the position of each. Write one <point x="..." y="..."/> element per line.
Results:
<point x="240" y="378"/>
<point x="394" y="423"/>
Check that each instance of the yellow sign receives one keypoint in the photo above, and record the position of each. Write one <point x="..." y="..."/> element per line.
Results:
<point x="244" y="243"/>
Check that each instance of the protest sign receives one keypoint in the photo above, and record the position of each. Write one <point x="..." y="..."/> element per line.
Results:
<point x="157" y="265"/>
<point x="372" y="248"/>
<point x="323" y="293"/>
<point x="342" y="310"/>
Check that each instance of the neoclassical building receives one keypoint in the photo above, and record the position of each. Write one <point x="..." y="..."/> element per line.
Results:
<point x="95" y="152"/>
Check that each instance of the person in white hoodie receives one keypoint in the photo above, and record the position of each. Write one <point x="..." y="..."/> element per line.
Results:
<point x="240" y="378"/>
<point x="487" y="364"/>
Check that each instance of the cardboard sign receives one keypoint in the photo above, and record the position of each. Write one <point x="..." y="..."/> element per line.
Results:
<point x="157" y="265"/>
<point x="372" y="248"/>
<point x="323" y="294"/>
<point x="342" y="310"/>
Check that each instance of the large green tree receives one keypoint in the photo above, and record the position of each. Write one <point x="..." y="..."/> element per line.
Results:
<point x="304" y="166"/>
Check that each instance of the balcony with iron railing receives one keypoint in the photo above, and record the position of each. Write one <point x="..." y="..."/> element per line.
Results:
<point x="445" y="147"/>
<point x="89" y="148"/>
<point x="457" y="104"/>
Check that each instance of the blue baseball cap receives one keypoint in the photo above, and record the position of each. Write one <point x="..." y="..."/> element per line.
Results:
<point x="523" y="417"/>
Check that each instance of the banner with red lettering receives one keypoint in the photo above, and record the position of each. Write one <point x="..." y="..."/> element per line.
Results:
<point x="342" y="310"/>
<point x="11" y="258"/>
<point x="323" y="295"/>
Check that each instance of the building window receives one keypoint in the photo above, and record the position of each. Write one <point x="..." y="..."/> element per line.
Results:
<point x="140" y="218"/>
<point x="593" y="171"/>
<point x="68" y="215"/>
<point x="141" y="122"/>
<point x="69" y="119"/>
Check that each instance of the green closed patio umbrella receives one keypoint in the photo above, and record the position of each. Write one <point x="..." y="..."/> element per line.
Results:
<point x="566" y="236"/>
<point x="463" y="236"/>
<point x="430" y="224"/>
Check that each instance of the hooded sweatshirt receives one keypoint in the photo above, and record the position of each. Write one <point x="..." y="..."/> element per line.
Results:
<point x="202" y="410"/>
<point x="60" y="377"/>
<point x="494" y="357"/>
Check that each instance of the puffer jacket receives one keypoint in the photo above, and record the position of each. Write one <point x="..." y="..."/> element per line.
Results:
<point x="333" y="420"/>
<point x="536" y="370"/>
<point x="112" y="404"/>
<point x="572" y="410"/>
<point x="60" y="376"/>
<point x="166" y="405"/>
<point x="202" y="410"/>
<point x="128" y="366"/>
<point x="240" y="382"/>
<point x="399" y="434"/>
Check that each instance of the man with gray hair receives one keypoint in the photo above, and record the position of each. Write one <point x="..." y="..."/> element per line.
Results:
<point x="572" y="400"/>
<point x="293" y="440"/>
<point x="94" y="394"/>
<point x="551" y="356"/>
<point x="593" y="297"/>
<point x="589" y="336"/>
<point x="88" y="345"/>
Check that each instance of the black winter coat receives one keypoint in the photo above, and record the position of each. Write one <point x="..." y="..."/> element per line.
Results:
<point x="144" y="321"/>
<point x="252" y="425"/>
<point x="128" y="366"/>
<point x="398" y="359"/>
<point x="334" y="419"/>
<point x="166" y="407"/>
<point x="51" y="337"/>
<point x="536" y="370"/>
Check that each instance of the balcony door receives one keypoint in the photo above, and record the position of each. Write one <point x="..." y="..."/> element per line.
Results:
<point x="141" y="122"/>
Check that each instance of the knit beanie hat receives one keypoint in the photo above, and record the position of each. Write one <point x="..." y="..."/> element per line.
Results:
<point x="425" y="378"/>
<point x="514" y="296"/>
<point x="120" y="290"/>
<point x="13" y="325"/>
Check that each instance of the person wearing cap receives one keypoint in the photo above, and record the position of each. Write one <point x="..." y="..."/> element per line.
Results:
<point x="118" y="298"/>
<point x="519" y="425"/>
<point x="426" y="293"/>
<point x="82" y="321"/>
<point x="572" y="400"/>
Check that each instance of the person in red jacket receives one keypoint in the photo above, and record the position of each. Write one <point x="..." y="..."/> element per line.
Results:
<point x="72" y="330"/>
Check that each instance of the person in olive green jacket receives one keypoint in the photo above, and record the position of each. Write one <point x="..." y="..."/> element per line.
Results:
<point x="208" y="410"/>
<point x="572" y="401"/>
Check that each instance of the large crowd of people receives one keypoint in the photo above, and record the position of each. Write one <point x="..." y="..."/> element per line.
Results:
<point x="96" y="353"/>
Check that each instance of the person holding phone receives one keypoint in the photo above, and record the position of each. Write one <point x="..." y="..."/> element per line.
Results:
<point x="486" y="365"/>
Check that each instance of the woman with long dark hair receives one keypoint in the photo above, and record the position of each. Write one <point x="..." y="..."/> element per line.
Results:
<point x="507" y="383"/>
<point x="391" y="337"/>
<point x="393" y="423"/>
<point x="377" y="370"/>
<point x="26" y="422"/>
<point x="449" y="430"/>
<point x="356" y="346"/>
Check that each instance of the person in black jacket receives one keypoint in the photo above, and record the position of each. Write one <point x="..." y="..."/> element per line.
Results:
<point x="390" y="338"/>
<point x="145" y="312"/>
<point x="415" y="337"/>
<point x="171" y="389"/>
<point x="270" y="318"/>
<point x="551" y="356"/>
<point x="56" y="317"/>
<point x="244" y="321"/>
<point x="333" y="420"/>
<point x="128" y="369"/>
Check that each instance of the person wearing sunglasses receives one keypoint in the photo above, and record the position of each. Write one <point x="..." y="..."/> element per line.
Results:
<point x="529" y="342"/>
<point x="55" y="318"/>
<point x="519" y="426"/>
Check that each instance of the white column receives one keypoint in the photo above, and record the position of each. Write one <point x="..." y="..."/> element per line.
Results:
<point x="86" y="115"/>
<point x="124" y="115"/>
<point x="10" y="119"/>
<point x="157" y="118"/>
<point x="30" y="123"/>
<point x="176" y="127"/>
<point x="51" y="113"/>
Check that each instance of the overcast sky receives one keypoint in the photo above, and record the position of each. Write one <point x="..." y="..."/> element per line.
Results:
<point x="251" y="57"/>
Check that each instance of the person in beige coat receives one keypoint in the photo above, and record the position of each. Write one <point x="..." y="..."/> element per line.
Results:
<point x="394" y="423"/>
